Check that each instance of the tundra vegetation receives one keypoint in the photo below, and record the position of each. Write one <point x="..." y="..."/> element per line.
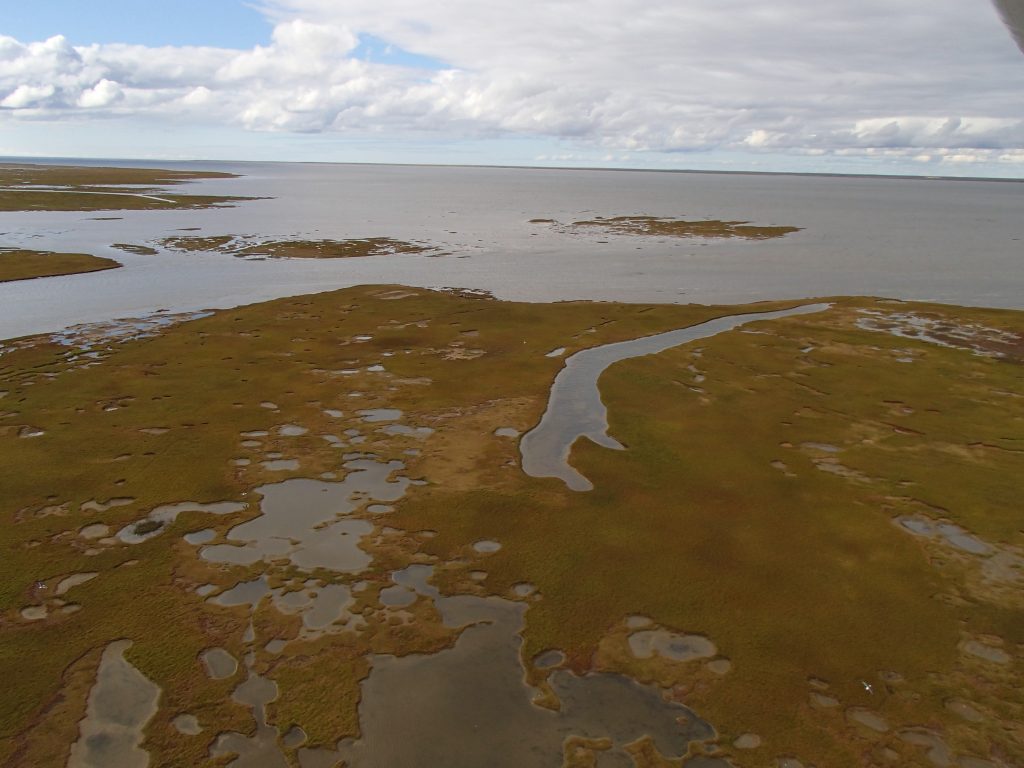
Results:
<point x="826" y="508"/>
<point x="31" y="187"/>
<point x="250" y="247"/>
<point x="22" y="264"/>
<point x="663" y="226"/>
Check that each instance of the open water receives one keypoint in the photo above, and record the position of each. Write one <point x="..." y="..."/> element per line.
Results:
<point x="952" y="241"/>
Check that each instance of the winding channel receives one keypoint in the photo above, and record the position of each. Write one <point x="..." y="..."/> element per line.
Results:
<point x="575" y="408"/>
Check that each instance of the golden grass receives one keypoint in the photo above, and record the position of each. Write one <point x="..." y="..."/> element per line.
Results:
<point x="791" y="576"/>
<point x="204" y="381"/>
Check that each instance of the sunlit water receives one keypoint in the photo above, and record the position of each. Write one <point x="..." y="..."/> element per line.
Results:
<point x="951" y="241"/>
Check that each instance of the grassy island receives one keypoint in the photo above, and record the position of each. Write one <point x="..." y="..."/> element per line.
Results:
<point x="31" y="187"/>
<point x="294" y="249"/>
<point x="659" y="226"/>
<point x="21" y="264"/>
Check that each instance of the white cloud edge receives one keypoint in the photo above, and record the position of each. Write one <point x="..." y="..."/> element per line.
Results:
<point x="307" y="80"/>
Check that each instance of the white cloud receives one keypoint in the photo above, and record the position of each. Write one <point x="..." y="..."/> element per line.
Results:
<point x="919" y="78"/>
<point x="198" y="96"/>
<point x="103" y="94"/>
<point x="26" y="96"/>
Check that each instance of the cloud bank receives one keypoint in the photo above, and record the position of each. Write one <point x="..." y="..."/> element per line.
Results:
<point x="923" y="80"/>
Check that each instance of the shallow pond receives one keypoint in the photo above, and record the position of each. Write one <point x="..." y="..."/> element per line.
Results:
<point x="661" y="642"/>
<point x="120" y="704"/>
<point x="261" y="749"/>
<point x="159" y="518"/>
<point x="468" y="706"/>
<point x="300" y="520"/>
<point x="219" y="663"/>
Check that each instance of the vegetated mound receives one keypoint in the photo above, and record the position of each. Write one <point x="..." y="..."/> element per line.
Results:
<point x="296" y="249"/>
<point x="661" y="226"/>
<point x="30" y="187"/>
<point x="21" y="264"/>
<point x="138" y="250"/>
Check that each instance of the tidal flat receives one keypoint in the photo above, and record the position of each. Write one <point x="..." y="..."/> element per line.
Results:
<point x="743" y="561"/>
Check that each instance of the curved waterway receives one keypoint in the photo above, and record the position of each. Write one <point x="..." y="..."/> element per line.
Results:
<point x="575" y="408"/>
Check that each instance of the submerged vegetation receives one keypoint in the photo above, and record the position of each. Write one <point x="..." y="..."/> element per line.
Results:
<point x="138" y="250"/>
<point x="295" y="249"/>
<point x="146" y="526"/>
<point x="21" y="264"/>
<point x="30" y="187"/>
<point x="658" y="226"/>
<point x="812" y="538"/>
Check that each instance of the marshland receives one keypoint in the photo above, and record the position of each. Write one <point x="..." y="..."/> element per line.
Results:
<point x="273" y="482"/>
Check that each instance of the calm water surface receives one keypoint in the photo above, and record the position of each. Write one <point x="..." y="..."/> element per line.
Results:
<point x="951" y="241"/>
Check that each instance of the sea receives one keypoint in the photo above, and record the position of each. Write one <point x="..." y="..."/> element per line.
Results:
<point x="945" y="240"/>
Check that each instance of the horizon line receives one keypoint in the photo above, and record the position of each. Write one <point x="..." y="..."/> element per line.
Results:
<point x="137" y="162"/>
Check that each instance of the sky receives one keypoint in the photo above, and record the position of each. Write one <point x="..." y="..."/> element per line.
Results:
<point x="923" y="87"/>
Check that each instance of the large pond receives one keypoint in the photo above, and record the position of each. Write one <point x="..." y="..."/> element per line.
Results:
<point x="951" y="241"/>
